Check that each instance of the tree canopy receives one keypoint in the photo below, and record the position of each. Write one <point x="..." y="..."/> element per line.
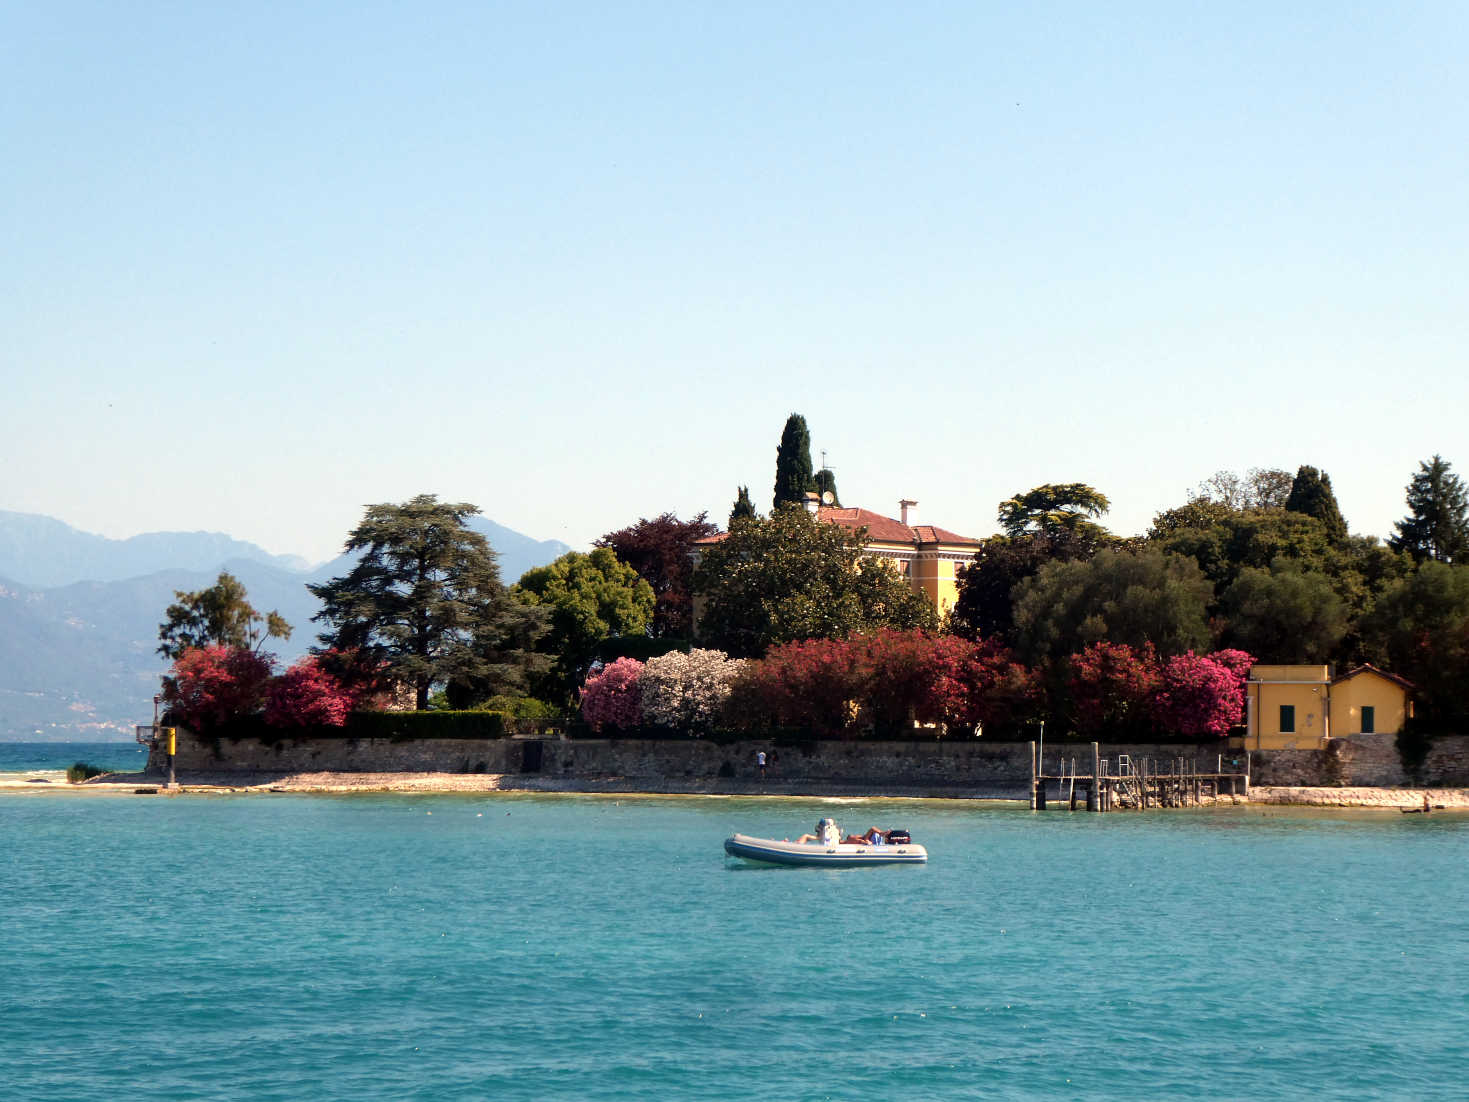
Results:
<point x="986" y="605"/>
<point x="1062" y="507"/>
<point x="1312" y="495"/>
<point x="826" y="484"/>
<point x="792" y="577"/>
<point x="1286" y="613"/>
<point x="424" y="603"/>
<point x="590" y="598"/>
<point x="743" y="506"/>
<point x="661" y="551"/>
<point x="1421" y="627"/>
<point x="217" y="616"/>
<point x="793" y="476"/>
<point x="1437" y="524"/>
<point x="1123" y="597"/>
<point x="1257" y="488"/>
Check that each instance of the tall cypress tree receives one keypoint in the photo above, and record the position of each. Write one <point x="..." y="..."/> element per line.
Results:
<point x="826" y="483"/>
<point x="793" y="477"/>
<point x="743" y="506"/>
<point x="1437" y="524"/>
<point x="1311" y="494"/>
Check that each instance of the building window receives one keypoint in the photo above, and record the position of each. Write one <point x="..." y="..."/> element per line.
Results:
<point x="1369" y="719"/>
<point x="1287" y="719"/>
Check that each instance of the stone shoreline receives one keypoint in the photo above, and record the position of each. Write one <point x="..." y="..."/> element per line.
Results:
<point x="216" y="783"/>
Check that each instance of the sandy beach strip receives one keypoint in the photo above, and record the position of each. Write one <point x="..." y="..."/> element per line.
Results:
<point x="54" y="781"/>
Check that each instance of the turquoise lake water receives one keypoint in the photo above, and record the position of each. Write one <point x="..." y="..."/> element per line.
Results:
<point x="537" y="947"/>
<point x="119" y="757"/>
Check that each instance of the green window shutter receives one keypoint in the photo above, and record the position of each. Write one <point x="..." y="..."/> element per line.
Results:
<point x="1287" y="719"/>
<point x="1369" y="719"/>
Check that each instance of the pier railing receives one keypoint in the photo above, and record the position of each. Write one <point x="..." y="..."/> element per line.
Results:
<point x="1125" y="783"/>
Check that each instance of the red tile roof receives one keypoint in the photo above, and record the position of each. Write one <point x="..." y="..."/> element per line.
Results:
<point x="1404" y="682"/>
<point x="880" y="529"/>
<point x="887" y="530"/>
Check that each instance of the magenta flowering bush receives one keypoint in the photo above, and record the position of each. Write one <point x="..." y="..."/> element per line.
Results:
<point x="613" y="696"/>
<point x="307" y="695"/>
<point x="1199" y="695"/>
<point x="209" y="686"/>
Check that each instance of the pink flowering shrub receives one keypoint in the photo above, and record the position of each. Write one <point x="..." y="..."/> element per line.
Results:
<point x="811" y="683"/>
<point x="1199" y="696"/>
<point x="888" y="681"/>
<point x="613" y="696"/>
<point x="993" y="688"/>
<point x="307" y="695"/>
<point x="208" y="686"/>
<point x="1111" y="686"/>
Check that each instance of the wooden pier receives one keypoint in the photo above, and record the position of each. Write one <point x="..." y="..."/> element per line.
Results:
<point x="1125" y="783"/>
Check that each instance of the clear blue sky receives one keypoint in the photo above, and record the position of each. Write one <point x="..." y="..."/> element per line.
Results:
<point x="263" y="264"/>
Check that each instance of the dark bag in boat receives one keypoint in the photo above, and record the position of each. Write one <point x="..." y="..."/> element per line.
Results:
<point x="899" y="837"/>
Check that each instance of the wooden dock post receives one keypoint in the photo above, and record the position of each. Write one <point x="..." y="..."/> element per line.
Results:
<point x="1094" y="793"/>
<point x="1032" y="776"/>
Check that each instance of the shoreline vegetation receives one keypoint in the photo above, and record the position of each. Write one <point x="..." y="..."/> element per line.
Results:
<point x="219" y="783"/>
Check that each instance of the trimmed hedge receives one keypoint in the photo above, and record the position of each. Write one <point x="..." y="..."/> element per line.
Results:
<point x="394" y="726"/>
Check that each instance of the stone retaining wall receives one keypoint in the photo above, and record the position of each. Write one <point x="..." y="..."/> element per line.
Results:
<point x="1363" y="760"/>
<point x="954" y="763"/>
<point x="1370" y="760"/>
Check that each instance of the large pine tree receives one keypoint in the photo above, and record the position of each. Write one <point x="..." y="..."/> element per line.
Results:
<point x="793" y="477"/>
<point x="1312" y="495"/>
<point x="1437" y="524"/>
<point x="424" y="602"/>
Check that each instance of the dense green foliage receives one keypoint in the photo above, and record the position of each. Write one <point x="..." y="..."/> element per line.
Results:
<point x="826" y="486"/>
<point x="217" y="616"/>
<point x="1312" y="495"/>
<point x="1134" y="598"/>
<point x="424" y="603"/>
<point x="1288" y="613"/>
<point x="661" y="550"/>
<point x="743" y="506"/>
<point x="1051" y="509"/>
<point x="792" y="577"/>
<point x="1420" y="627"/>
<point x="1437" y="524"/>
<point x="589" y="598"/>
<point x="793" y="476"/>
<point x="985" y="608"/>
<point x="473" y="725"/>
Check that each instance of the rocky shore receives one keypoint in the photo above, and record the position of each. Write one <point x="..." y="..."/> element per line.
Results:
<point x="323" y="782"/>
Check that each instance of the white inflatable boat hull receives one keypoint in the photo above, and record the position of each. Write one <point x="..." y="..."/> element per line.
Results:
<point x="774" y="852"/>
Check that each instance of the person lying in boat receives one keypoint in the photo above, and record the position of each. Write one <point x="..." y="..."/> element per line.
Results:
<point x="873" y="837"/>
<point x="827" y="833"/>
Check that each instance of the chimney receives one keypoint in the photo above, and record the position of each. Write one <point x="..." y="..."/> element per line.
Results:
<point x="906" y="505"/>
<point x="813" y="502"/>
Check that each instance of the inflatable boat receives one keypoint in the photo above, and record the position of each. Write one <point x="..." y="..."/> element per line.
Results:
<point x="772" y="851"/>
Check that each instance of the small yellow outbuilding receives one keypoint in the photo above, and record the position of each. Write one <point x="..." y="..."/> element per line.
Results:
<point x="1300" y="707"/>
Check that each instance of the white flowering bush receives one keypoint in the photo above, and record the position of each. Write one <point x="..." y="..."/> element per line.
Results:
<point x="686" y="691"/>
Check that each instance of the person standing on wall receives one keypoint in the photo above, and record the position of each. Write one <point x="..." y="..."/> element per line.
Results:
<point x="760" y="762"/>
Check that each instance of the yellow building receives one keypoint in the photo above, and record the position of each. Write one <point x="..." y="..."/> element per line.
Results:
<point x="1367" y="701"/>
<point x="1300" y="707"/>
<point x="928" y="556"/>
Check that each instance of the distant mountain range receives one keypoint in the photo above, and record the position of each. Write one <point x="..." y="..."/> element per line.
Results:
<point x="79" y="614"/>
